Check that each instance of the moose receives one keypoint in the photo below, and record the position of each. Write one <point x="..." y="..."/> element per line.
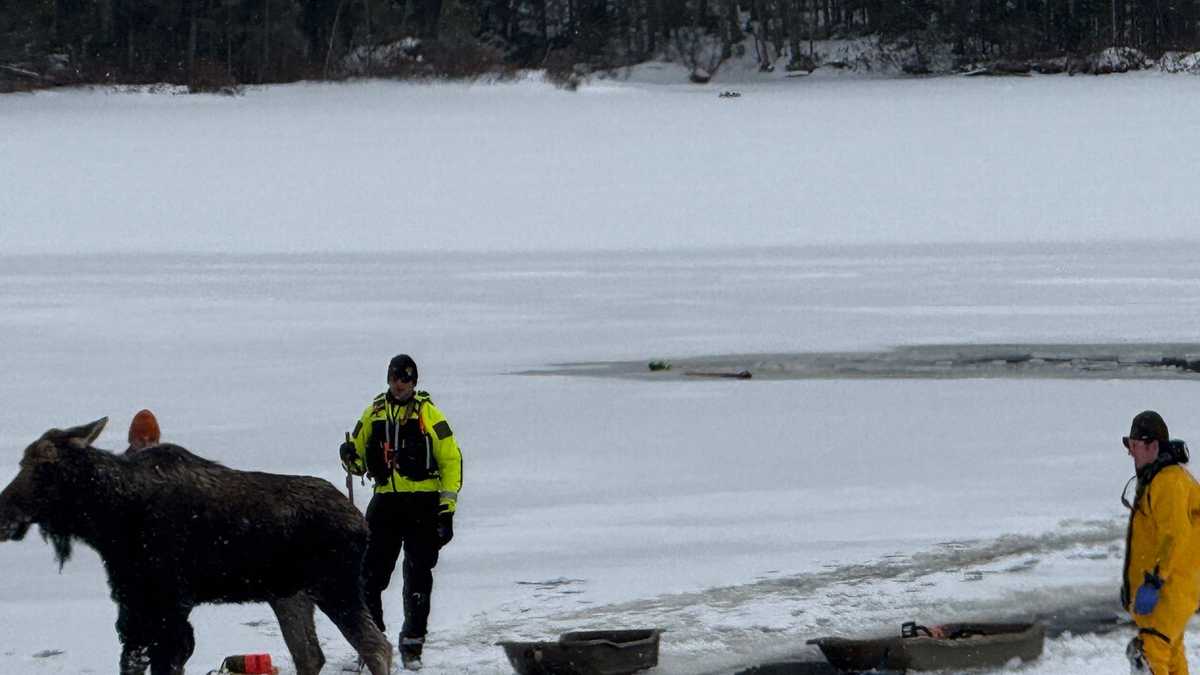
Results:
<point x="176" y="530"/>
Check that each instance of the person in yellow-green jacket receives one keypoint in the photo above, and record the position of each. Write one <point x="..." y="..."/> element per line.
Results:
<point x="405" y="445"/>
<point x="1161" y="583"/>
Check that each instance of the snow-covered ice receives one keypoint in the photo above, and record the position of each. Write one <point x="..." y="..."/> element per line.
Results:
<point x="394" y="166"/>
<point x="742" y="517"/>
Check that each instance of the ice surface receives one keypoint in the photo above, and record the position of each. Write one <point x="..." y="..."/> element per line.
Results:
<point x="402" y="167"/>
<point x="742" y="517"/>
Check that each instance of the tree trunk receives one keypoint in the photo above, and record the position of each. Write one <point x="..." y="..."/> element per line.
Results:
<point x="228" y="42"/>
<point x="192" y="28"/>
<point x="1114" y="22"/>
<point x="55" y="19"/>
<point x="510" y="19"/>
<point x="106" y="21"/>
<point x="266" y="42"/>
<point x="436" y="7"/>
<point x="543" y="28"/>
<point x="572" y="14"/>
<point x="337" y="13"/>
<point x="653" y="21"/>
<point x="812" y="19"/>
<point x="733" y="32"/>
<point x="793" y="28"/>
<point x="404" y="14"/>
<point x="129" y="56"/>
<point x="1156" y="33"/>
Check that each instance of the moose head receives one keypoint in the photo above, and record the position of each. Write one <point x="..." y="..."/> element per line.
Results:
<point x="38" y="492"/>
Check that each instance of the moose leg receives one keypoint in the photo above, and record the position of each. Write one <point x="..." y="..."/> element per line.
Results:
<point x="295" y="616"/>
<point x="174" y="643"/>
<point x="349" y="613"/>
<point x="134" y="660"/>
<point x="135" y="641"/>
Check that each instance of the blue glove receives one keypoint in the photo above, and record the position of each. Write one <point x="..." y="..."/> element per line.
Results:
<point x="1147" y="593"/>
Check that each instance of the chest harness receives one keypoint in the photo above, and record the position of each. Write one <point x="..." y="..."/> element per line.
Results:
<point x="405" y="448"/>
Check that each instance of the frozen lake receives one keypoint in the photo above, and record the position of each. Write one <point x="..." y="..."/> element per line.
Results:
<point x="741" y="516"/>
<point x="205" y="257"/>
<point x="379" y="166"/>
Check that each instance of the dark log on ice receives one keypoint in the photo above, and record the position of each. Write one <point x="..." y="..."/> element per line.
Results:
<point x="739" y="375"/>
<point x="1050" y="66"/>
<point x="1011" y="68"/>
<point x="1002" y="69"/>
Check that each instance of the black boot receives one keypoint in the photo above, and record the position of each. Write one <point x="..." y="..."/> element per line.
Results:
<point x="410" y="652"/>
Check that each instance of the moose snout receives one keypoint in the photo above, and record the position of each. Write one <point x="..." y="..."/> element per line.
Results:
<point x="14" y="522"/>
<point x="13" y="529"/>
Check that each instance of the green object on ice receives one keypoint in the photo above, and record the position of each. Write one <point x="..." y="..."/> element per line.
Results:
<point x="660" y="365"/>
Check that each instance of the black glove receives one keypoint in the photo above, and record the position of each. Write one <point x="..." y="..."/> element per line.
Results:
<point x="1137" y="656"/>
<point x="348" y="452"/>
<point x="445" y="527"/>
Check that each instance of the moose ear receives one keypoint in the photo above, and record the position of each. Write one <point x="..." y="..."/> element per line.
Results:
<point x="82" y="436"/>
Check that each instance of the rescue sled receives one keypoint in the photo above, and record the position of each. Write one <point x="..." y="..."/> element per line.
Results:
<point x="951" y="646"/>
<point x="598" y="652"/>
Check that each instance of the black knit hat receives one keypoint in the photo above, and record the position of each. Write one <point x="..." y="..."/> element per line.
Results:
<point x="403" y="367"/>
<point x="1148" y="426"/>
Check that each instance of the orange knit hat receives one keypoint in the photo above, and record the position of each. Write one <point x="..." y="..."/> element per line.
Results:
<point x="144" y="427"/>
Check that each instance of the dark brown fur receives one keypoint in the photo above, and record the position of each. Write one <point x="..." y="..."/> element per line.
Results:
<point x="175" y="530"/>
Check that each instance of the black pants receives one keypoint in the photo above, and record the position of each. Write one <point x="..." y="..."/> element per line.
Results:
<point x="402" y="521"/>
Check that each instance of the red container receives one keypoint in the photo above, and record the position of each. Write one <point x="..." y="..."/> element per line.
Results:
<point x="248" y="664"/>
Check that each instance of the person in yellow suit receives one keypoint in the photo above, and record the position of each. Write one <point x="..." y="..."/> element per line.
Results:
<point x="404" y="443"/>
<point x="1161" y="584"/>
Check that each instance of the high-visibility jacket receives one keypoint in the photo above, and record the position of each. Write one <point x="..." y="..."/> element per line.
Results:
<point x="417" y="438"/>
<point x="1164" y="538"/>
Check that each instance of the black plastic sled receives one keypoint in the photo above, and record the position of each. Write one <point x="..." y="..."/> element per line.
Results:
<point x="952" y="646"/>
<point x="598" y="652"/>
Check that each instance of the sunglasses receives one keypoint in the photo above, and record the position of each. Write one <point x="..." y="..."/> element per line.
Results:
<point x="405" y="377"/>
<point x="1126" y="440"/>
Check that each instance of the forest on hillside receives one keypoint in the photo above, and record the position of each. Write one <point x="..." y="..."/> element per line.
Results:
<point x="226" y="42"/>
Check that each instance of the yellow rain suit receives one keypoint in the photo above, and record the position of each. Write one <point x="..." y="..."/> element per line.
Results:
<point x="1164" y="536"/>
